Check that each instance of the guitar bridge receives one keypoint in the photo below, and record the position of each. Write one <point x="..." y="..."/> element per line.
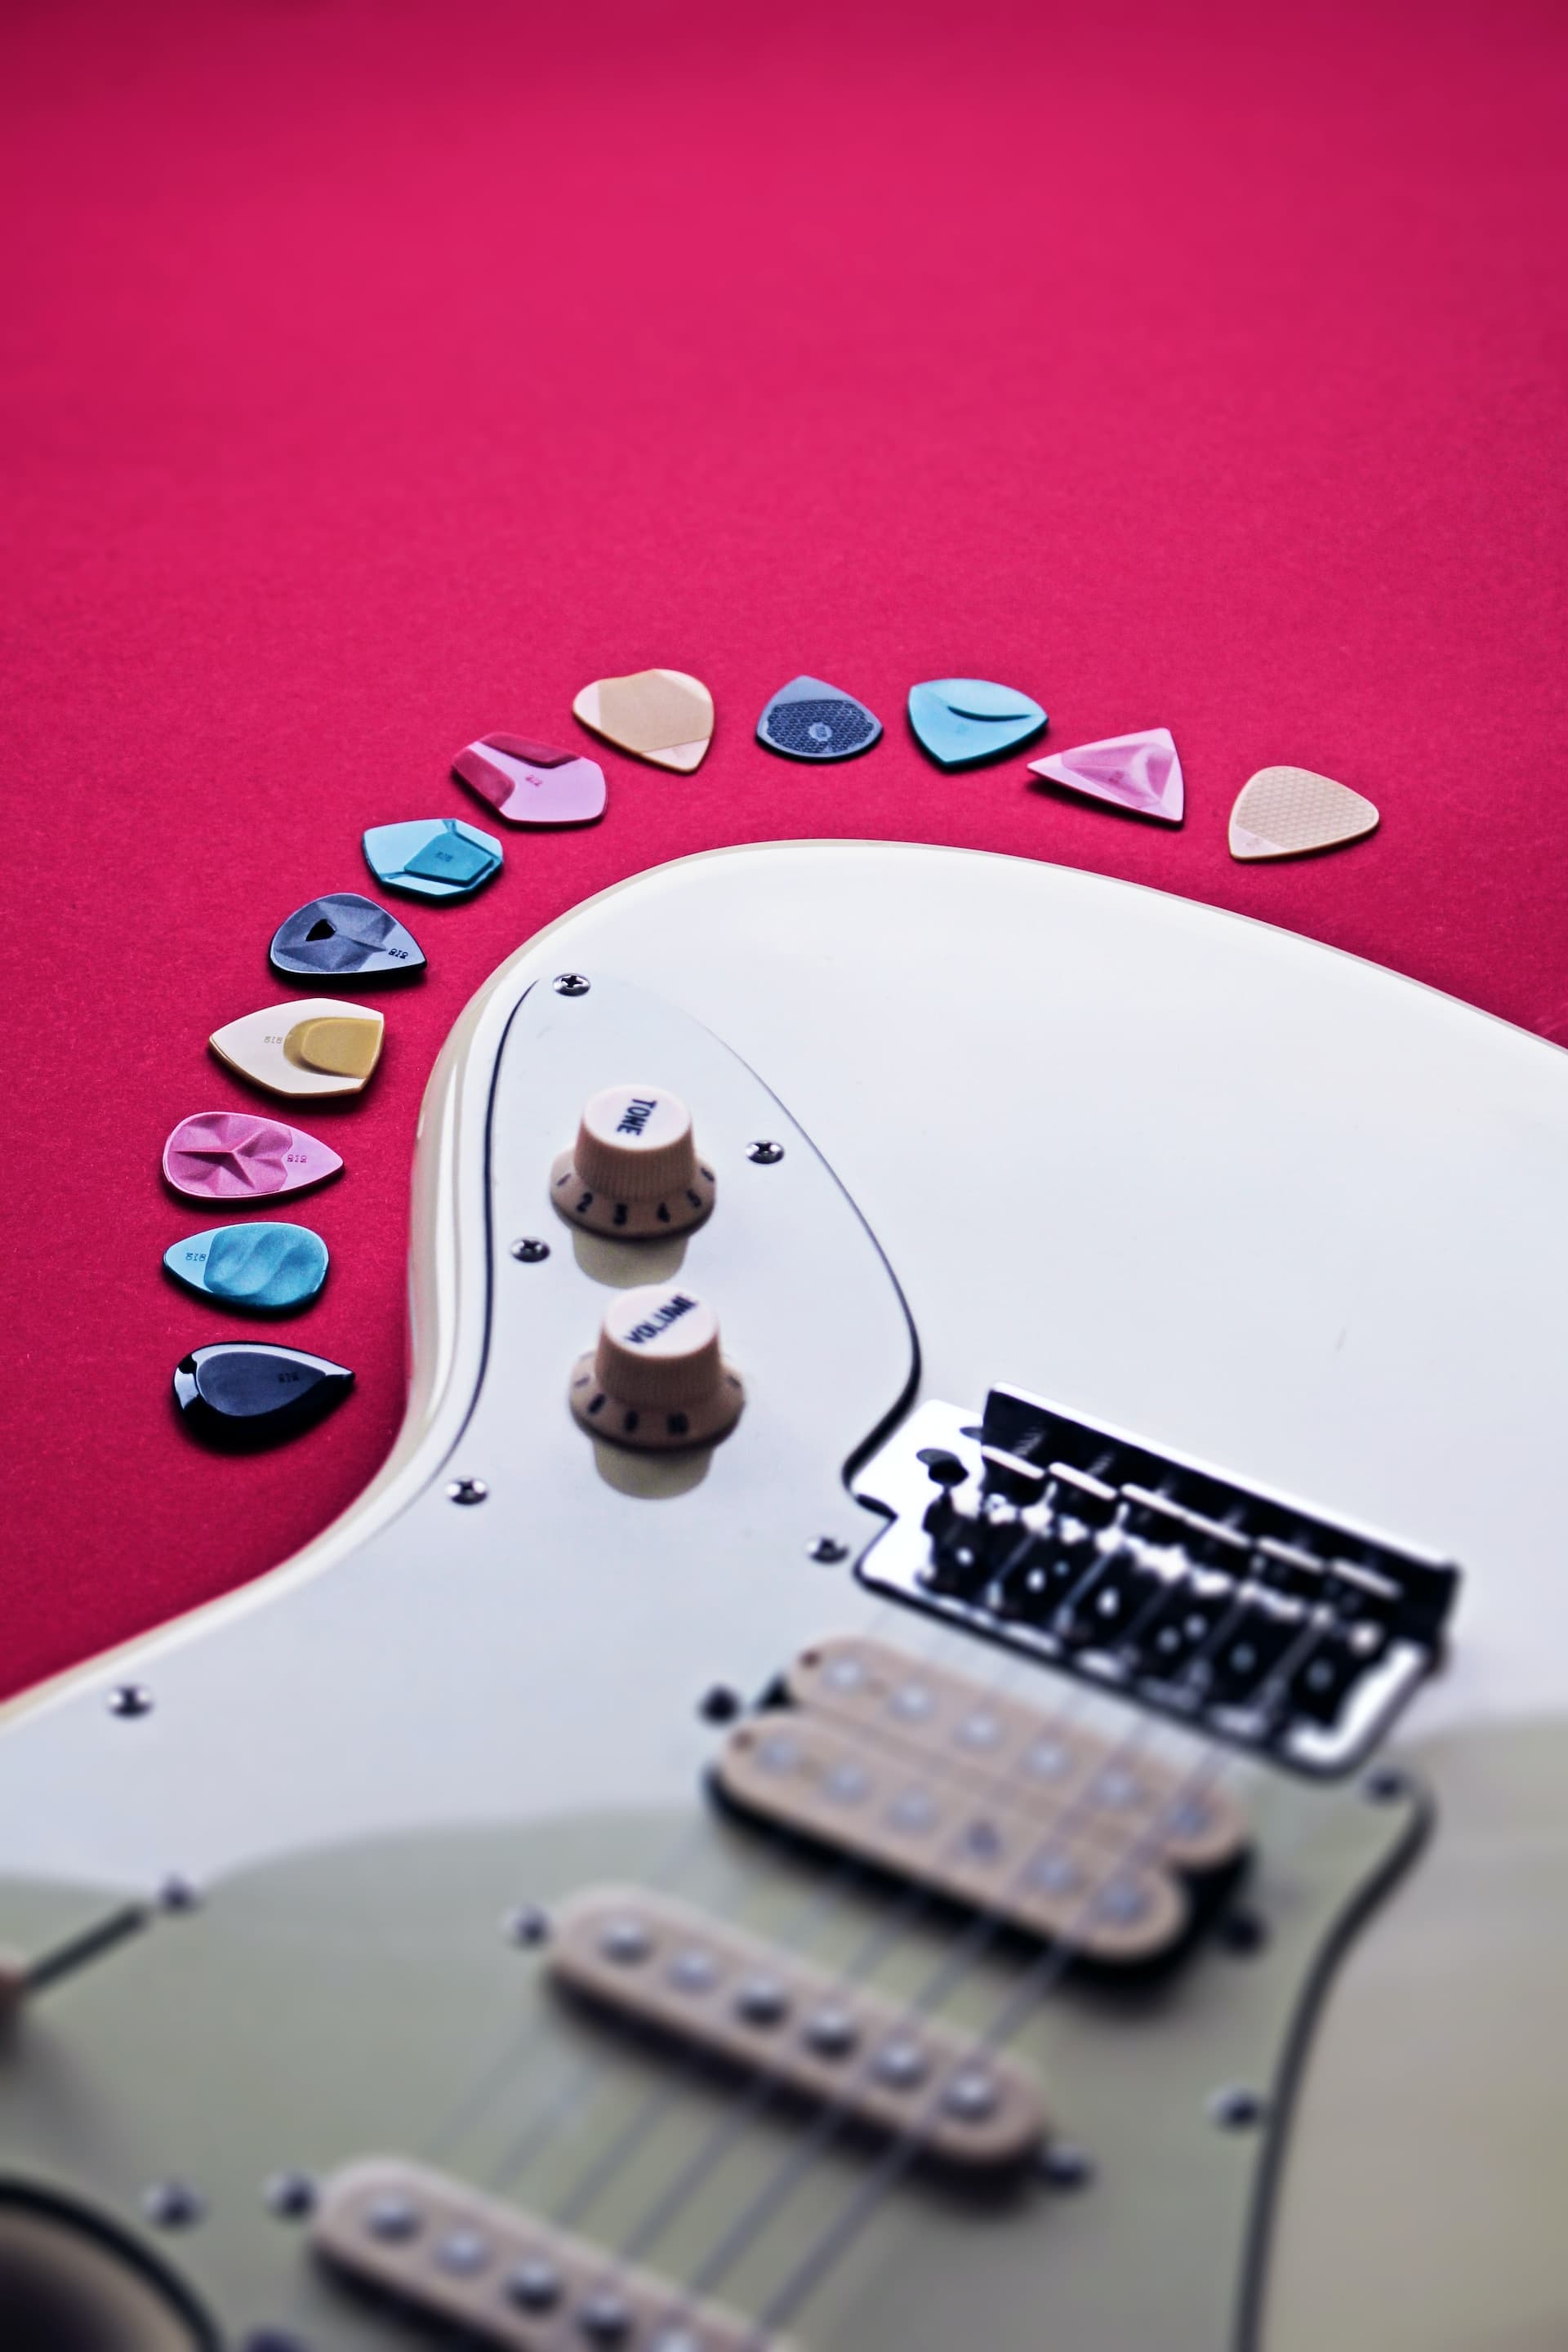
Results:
<point x="1238" y="1611"/>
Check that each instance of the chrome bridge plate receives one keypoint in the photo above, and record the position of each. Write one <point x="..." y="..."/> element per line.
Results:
<point x="1253" y="1619"/>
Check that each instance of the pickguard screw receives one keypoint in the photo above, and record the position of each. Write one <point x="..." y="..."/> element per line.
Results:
<point x="1063" y="2165"/>
<point x="721" y="1705"/>
<point x="290" y="2194"/>
<point x="1244" y="1931"/>
<point x="1386" y="1786"/>
<point x="531" y="1252"/>
<point x="571" y="984"/>
<point x="177" y="1894"/>
<point x="467" y="1490"/>
<point x="129" y="1700"/>
<point x="1236" y="2109"/>
<point x="764" y="1153"/>
<point x="827" y="1552"/>
<point x="171" y="2205"/>
<point x="527" y="1925"/>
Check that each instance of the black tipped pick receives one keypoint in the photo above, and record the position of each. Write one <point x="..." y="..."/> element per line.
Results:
<point x="344" y="937"/>
<point x="241" y="1393"/>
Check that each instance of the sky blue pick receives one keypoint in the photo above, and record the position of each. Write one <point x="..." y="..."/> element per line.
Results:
<point x="265" y="1265"/>
<point x="432" y="858"/>
<point x="962" y="721"/>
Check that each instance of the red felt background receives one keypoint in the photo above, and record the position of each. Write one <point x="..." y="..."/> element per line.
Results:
<point x="376" y="371"/>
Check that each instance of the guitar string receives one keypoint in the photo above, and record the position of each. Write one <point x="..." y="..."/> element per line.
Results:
<point x="988" y="1927"/>
<point x="497" y="2075"/>
<point x="972" y="1947"/>
<point x="844" y="1876"/>
<point x="567" y="2097"/>
<point x="902" y="1912"/>
<point x="916" y="1898"/>
<point x="583" y="2071"/>
<point x="765" y="2088"/>
<point x="1027" y="1997"/>
<point x="961" y="1962"/>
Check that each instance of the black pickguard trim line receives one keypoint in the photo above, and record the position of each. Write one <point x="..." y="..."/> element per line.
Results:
<point x="1253" y="2283"/>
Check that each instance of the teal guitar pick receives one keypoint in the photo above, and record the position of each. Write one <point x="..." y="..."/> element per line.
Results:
<point x="962" y="721"/>
<point x="271" y="1268"/>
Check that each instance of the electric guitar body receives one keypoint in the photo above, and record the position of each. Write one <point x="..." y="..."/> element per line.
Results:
<point x="1009" y="1795"/>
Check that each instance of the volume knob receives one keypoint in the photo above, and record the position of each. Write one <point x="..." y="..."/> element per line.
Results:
<point x="634" y="1171"/>
<point x="657" y="1379"/>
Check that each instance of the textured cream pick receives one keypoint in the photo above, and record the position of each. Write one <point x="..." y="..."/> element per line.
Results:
<point x="318" y="1046"/>
<point x="660" y="714"/>
<point x="1285" y="812"/>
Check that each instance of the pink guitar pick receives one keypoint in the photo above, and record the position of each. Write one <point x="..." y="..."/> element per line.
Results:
<point x="1135" y="771"/>
<point x="231" y="1155"/>
<point x="529" y="783"/>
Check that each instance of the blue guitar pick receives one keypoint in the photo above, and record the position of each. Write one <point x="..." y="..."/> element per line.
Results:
<point x="432" y="856"/>
<point x="808" y="721"/>
<point x="962" y="721"/>
<point x="265" y="1265"/>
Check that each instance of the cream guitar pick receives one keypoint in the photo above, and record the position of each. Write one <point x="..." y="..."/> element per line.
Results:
<point x="660" y="714"/>
<point x="320" y="1048"/>
<point x="1285" y="812"/>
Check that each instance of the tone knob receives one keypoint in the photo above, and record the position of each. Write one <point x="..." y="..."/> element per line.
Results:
<point x="656" y="1379"/>
<point x="634" y="1171"/>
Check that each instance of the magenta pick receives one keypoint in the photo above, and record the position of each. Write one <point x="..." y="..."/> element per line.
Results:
<point x="530" y="783"/>
<point x="232" y="1155"/>
<point x="1141" y="772"/>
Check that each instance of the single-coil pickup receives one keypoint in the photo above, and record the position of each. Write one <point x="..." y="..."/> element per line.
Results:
<point x="502" y="2277"/>
<point x="930" y="1714"/>
<point x="739" y="1998"/>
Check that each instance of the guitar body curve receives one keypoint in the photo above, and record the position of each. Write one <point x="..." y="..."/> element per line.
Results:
<point x="1272" y="1208"/>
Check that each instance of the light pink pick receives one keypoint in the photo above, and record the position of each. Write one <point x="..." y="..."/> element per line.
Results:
<point x="530" y="783"/>
<point x="232" y="1155"/>
<point x="1135" y="771"/>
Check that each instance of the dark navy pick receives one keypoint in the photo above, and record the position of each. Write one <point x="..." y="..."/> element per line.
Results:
<point x="344" y="937"/>
<point x="242" y="1393"/>
<point x="808" y="721"/>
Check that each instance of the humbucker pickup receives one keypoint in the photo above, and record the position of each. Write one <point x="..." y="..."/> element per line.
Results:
<point x="734" y="1997"/>
<point x="1254" y="1618"/>
<point x="986" y="1801"/>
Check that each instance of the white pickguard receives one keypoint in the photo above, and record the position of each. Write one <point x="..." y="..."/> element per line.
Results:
<point x="1255" y="1200"/>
